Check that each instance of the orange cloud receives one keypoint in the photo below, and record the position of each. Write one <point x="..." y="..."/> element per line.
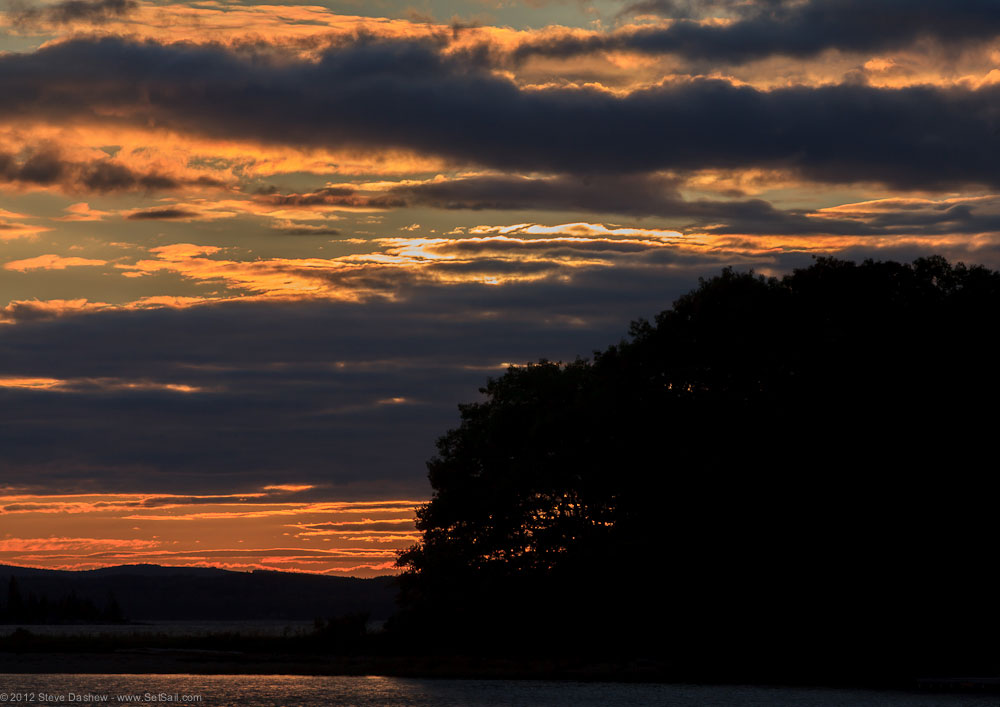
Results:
<point x="18" y="545"/>
<point x="50" y="261"/>
<point x="10" y="230"/>
<point x="98" y="530"/>
<point x="289" y="487"/>
<point x="82" y="212"/>
<point x="301" y="30"/>
<point x="27" y="310"/>
<point x="377" y="274"/>
<point x="106" y="384"/>
<point x="31" y="383"/>
<point x="194" y="163"/>
<point x="182" y="251"/>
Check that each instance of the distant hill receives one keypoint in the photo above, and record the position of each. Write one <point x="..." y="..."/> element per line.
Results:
<point x="152" y="592"/>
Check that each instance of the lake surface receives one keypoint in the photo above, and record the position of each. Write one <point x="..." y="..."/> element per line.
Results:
<point x="309" y="691"/>
<point x="263" y="627"/>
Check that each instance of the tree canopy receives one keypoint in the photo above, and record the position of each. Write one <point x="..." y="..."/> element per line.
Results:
<point x="770" y="466"/>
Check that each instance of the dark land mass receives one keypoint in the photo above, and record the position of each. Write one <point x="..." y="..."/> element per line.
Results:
<point x="155" y="593"/>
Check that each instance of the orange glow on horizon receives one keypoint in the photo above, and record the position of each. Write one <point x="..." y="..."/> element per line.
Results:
<point x="266" y="529"/>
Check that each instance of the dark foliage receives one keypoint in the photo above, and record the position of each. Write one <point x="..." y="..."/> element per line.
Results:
<point x="776" y="478"/>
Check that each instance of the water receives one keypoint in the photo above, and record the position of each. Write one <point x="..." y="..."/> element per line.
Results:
<point x="310" y="691"/>
<point x="263" y="627"/>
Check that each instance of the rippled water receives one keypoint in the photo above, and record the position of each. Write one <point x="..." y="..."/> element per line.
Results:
<point x="309" y="691"/>
<point x="167" y="628"/>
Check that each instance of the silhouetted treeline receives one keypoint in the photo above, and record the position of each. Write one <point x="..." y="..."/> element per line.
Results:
<point x="776" y="478"/>
<point x="32" y="608"/>
<point x="151" y="592"/>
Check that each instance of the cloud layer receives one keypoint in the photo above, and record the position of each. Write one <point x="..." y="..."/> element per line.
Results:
<point x="913" y="137"/>
<point x="252" y="256"/>
<point x="789" y="29"/>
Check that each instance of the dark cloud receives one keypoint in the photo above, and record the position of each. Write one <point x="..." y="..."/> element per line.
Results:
<point x="655" y="195"/>
<point x="306" y="230"/>
<point x="789" y="29"/>
<point x="351" y="396"/>
<point x="684" y="9"/>
<point x="912" y="137"/>
<point x="691" y="9"/>
<point x="46" y="167"/>
<point x="328" y="196"/>
<point x="634" y="195"/>
<point x="43" y="167"/>
<point x="107" y="176"/>
<point x="301" y="393"/>
<point x="887" y="218"/>
<point x="264" y="497"/>
<point x="28" y="15"/>
<point x="322" y="197"/>
<point x="625" y="194"/>
<point x="628" y="194"/>
<point x="160" y="215"/>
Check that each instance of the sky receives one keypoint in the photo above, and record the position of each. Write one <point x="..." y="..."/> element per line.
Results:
<point x="253" y="256"/>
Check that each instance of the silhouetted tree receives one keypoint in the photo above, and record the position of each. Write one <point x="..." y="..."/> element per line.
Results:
<point x="773" y="470"/>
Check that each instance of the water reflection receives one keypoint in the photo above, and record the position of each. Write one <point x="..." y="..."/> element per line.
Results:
<point x="311" y="691"/>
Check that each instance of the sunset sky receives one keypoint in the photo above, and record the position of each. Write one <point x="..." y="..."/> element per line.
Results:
<point x="252" y="256"/>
